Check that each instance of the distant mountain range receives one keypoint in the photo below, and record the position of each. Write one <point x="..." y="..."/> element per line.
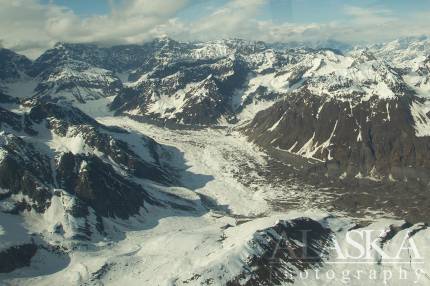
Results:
<point x="354" y="113"/>
<point x="365" y="112"/>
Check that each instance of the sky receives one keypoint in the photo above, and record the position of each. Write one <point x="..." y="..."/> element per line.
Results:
<point x="32" y="26"/>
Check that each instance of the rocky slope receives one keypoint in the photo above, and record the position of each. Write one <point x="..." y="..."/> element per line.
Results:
<point x="57" y="146"/>
<point x="364" y="113"/>
<point x="62" y="167"/>
<point x="13" y="68"/>
<point x="12" y="65"/>
<point x="358" y="114"/>
<point x="163" y="80"/>
<point x="69" y="184"/>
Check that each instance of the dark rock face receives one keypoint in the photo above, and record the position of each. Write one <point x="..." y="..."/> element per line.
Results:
<point x="12" y="65"/>
<point x="16" y="257"/>
<point x="61" y="118"/>
<point x="10" y="120"/>
<point x="99" y="186"/>
<point x="375" y="137"/>
<point x="4" y="98"/>
<point x="288" y="248"/>
<point x="68" y="115"/>
<point x="27" y="170"/>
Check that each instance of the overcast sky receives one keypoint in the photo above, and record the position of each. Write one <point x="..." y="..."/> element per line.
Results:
<point x="32" y="26"/>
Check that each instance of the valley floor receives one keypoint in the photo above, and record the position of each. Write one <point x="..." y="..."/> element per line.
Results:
<point x="227" y="178"/>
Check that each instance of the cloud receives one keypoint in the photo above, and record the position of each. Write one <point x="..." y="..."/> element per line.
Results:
<point x="240" y="18"/>
<point x="235" y="19"/>
<point x="377" y="24"/>
<point x="361" y="25"/>
<point x="30" y="27"/>
<point x="368" y="16"/>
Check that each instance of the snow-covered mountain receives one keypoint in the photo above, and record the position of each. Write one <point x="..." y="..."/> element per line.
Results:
<point x="357" y="113"/>
<point x="69" y="177"/>
<point x="411" y="55"/>
<point x="53" y="146"/>
<point x="95" y="190"/>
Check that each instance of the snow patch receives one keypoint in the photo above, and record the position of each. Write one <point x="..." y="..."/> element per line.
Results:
<point x="422" y="121"/>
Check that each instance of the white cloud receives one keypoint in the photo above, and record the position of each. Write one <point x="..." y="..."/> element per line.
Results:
<point x="368" y="16"/>
<point x="30" y="27"/>
<point x="378" y="24"/>
<point x="361" y="25"/>
<point x="235" y="19"/>
<point x="239" y="18"/>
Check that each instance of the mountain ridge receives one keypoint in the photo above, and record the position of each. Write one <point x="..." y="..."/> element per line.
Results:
<point x="191" y="163"/>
